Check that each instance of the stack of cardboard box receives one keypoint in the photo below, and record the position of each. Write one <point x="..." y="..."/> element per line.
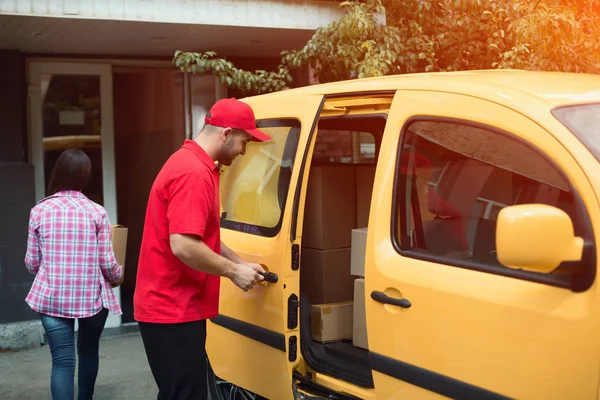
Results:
<point x="329" y="219"/>
<point x="332" y="322"/>
<point x="337" y="202"/>
<point x="359" y="247"/>
<point x="365" y="176"/>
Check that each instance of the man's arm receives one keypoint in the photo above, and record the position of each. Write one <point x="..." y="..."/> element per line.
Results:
<point x="194" y="253"/>
<point x="191" y="198"/>
<point x="230" y="254"/>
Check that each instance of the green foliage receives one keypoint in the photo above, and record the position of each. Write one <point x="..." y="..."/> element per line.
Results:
<point x="355" y="46"/>
<point x="251" y="82"/>
<point x="553" y="35"/>
<point x="427" y="36"/>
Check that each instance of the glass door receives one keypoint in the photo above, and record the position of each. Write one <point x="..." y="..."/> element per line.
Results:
<point x="71" y="106"/>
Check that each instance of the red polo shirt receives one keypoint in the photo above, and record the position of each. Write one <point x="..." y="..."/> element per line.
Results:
<point x="184" y="199"/>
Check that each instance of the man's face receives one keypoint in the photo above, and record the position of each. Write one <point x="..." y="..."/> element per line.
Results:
<point x="423" y="176"/>
<point x="234" y="144"/>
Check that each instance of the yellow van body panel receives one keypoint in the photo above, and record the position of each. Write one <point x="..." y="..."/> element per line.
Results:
<point x="508" y="327"/>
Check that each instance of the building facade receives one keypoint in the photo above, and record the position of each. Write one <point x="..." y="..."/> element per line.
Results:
<point x="97" y="75"/>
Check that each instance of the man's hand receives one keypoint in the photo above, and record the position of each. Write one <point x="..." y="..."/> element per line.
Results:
<point x="257" y="268"/>
<point x="254" y="266"/>
<point x="246" y="276"/>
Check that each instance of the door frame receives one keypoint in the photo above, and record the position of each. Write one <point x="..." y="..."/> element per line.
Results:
<point x="35" y="71"/>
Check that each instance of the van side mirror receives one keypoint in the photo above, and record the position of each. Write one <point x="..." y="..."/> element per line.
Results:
<point x="536" y="237"/>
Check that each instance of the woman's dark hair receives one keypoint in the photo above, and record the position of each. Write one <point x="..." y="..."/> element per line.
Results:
<point x="72" y="171"/>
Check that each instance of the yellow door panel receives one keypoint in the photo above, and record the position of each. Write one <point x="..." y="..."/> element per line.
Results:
<point x="264" y="370"/>
<point x="248" y="343"/>
<point x="459" y="326"/>
<point x="389" y="388"/>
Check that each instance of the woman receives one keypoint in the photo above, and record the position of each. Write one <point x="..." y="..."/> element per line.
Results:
<point x="69" y="250"/>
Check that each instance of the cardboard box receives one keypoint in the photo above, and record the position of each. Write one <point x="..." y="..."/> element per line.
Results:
<point x="358" y="251"/>
<point x="331" y="322"/>
<point x="330" y="211"/>
<point x="119" y="243"/>
<point x="359" y="318"/>
<point x="325" y="275"/>
<point x="365" y="176"/>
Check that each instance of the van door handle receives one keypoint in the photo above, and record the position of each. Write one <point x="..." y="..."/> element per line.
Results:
<point x="381" y="297"/>
<point x="269" y="277"/>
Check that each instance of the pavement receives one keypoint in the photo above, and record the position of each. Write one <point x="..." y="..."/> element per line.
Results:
<point x="124" y="372"/>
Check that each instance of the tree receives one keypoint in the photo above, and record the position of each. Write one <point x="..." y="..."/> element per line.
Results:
<point x="341" y="50"/>
<point x="429" y="36"/>
<point x="553" y="35"/>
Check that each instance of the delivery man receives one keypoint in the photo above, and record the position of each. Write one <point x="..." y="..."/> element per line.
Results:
<point x="182" y="258"/>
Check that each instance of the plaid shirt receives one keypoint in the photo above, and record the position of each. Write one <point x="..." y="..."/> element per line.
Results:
<point x="69" y="250"/>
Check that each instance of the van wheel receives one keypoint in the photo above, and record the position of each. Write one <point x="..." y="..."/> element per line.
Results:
<point x="220" y="389"/>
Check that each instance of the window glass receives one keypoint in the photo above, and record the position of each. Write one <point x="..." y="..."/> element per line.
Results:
<point x="584" y="121"/>
<point x="343" y="146"/>
<point x="453" y="181"/>
<point x="72" y="119"/>
<point x="254" y="188"/>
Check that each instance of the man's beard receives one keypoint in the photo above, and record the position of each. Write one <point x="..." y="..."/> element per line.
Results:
<point x="225" y="156"/>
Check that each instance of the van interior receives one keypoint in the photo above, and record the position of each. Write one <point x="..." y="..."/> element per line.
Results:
<point x="338" y="199"/>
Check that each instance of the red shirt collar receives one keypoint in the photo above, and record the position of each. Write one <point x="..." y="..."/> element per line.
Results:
<point x="200" y="153"/>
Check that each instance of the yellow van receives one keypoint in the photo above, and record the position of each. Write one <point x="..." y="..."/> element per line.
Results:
<point x="432" y="236"/>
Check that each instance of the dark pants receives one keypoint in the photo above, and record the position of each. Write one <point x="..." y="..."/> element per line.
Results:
<point x="177" y="357"/>
<point x="61" y="333"/>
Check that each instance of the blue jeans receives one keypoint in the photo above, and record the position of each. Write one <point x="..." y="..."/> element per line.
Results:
<point x="61" y="334"/>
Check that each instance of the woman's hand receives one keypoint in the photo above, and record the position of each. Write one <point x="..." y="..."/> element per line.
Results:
<point x="120" y="282"/>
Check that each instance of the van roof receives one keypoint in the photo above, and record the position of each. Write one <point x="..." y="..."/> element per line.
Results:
<point x="553" y="88"/>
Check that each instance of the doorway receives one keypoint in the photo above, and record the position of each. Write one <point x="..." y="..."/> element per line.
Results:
<point x="149" y="121"/>
<point x="71" y="106"/>
<point x="129" y="120"/>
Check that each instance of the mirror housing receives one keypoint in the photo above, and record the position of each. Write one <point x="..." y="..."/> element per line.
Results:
<point x="536" y="237"/>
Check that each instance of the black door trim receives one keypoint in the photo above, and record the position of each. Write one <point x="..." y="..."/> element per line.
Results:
<point x="296" y="204"/>
<point x="260" y="334"/>
<point x="429" y="380"/>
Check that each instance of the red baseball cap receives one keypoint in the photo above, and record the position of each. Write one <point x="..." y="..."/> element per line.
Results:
<point x="420" y="161"/>
<point x="232" y="113"/>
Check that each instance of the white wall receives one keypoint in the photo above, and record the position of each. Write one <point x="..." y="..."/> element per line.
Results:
<point x="295" y="14"/>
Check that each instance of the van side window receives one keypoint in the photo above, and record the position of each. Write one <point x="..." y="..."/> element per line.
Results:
<point x="345" y="147"/>
<point x="254" y="189"/>
<point x="453" y="179"/>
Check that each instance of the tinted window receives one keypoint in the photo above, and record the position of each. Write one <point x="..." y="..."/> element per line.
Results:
<point x="454" y="179"/>
<point x="584" y="121"/>
<point x="254" y="188"/>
